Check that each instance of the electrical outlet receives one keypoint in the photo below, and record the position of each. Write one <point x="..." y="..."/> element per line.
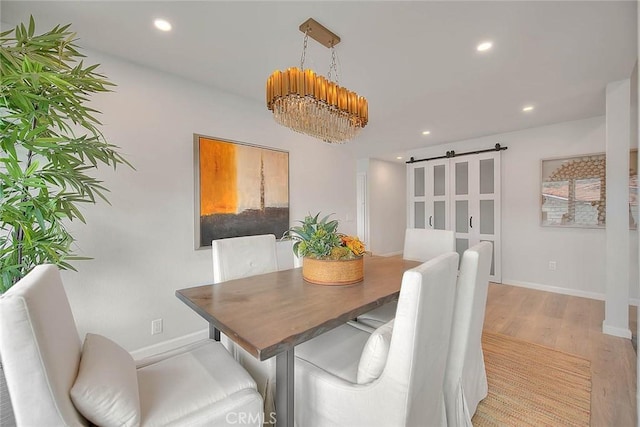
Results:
<point x="156" y="327"/>
<point x="552" y="265"/>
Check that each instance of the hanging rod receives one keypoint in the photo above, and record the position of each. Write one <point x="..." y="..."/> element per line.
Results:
<point x="452" y="153"/>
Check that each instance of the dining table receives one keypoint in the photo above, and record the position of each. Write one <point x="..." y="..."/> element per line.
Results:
<point x="269" y="314"/>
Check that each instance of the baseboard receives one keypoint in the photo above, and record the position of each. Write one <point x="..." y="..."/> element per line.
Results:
<point x="169" y="345"/>
<point x="565" y="291"/>
<point x="615" y="331"/>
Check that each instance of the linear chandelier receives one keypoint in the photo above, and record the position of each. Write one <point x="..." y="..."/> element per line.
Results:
<point x="312" y="104"/>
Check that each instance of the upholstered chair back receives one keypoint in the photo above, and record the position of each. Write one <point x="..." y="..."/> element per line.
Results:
<point x="465" y="378"/>
<point x="419" y="245"/>
<point x="392" y="377"/>
<point x="244" y="256"/>
<point x="40" y="349"/>
<point x="420" y="341"/>
<point x="286" y="258"/>
<point x="424" y="244"/>
<point x="247" y="256"/>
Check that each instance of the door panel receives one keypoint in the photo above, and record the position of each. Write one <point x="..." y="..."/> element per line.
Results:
<point x="476" y="203"/>
<point x="419" y="182"/>
<point x="462" y="178"/>
<point x="486" y="176"/>
<point x="429" y="195"/>
<point x="419" y="215"/>
<point x="487" y="217"/>
<point x="460" y="194"/>
<point x="462" y="216"/>
<point x="439" y="180"/>
<point x="439" y="215"/>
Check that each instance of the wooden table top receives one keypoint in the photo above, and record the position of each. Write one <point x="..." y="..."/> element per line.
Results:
<point x="271" y="313"/>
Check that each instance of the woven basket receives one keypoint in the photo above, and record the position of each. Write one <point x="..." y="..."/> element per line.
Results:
<point x="333" y="272"/>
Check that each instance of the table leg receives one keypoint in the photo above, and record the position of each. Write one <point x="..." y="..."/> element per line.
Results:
<point x="284" y="388"/>
<point x="214" y="333"/>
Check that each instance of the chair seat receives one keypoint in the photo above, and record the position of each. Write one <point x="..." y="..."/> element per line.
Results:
<point x="379" y="316"/>
<point x="321" y="351"/>
<point x="199" y="385"/>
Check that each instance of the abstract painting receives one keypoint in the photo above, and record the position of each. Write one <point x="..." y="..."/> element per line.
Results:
<point x="241" y="190"/>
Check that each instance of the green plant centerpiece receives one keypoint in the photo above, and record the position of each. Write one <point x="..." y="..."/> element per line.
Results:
<point x="329" y="257"/>
<point x="49" y="143"/>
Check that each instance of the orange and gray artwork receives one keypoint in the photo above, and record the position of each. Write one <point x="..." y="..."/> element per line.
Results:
<point x="244" y="190"/>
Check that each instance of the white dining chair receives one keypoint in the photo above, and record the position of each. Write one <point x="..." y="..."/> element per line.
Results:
<point x="423" y="244"/>
<point x="286" y="258"/>
<point x="419" y="245"/>
<point x="393" y="377"/>
<point x="246" y="256"/>
<point x="465" y="383"/>
<point x="54" y="379"/>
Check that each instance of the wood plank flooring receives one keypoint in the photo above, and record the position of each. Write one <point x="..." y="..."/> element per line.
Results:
<point x="573" y="325"/>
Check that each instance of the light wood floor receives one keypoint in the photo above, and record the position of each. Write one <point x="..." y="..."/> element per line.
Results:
<point x="573" y="325"/>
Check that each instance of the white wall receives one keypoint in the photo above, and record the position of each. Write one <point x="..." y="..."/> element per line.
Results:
<point x="386" y="186"/>
<point x="527" y="247"/>
<point x="142" y="244"/>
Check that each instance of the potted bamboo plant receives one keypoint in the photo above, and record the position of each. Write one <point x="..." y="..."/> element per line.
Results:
<point x="49" y="144"/>
<point x="329" y="257"/>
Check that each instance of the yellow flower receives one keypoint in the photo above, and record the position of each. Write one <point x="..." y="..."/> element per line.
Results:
<point x="354" y="244"/>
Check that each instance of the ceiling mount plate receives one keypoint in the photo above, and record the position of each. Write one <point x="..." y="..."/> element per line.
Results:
<point x="319" y="33"/>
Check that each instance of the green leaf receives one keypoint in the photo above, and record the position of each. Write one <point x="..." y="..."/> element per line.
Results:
<point x="32" y="26"/>
<point x="50" y="145"/>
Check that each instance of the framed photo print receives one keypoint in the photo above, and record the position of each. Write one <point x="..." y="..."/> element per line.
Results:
<point x="574" y="191"/>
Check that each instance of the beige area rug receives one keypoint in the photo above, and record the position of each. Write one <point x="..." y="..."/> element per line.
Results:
<point x="532" y="385"/>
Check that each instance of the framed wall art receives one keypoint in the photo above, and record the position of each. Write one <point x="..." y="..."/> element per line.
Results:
<point x="240" y="190"/>
<point x="574" y="191"/>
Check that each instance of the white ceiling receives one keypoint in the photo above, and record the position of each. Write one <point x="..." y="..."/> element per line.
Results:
<point x="415" y="61"/>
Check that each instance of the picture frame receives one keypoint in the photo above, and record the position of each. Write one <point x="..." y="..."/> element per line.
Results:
<point x="240" y="190"/>
<point x="573" y="191"/>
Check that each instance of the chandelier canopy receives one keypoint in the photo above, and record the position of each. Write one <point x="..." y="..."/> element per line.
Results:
<point x="312" y="104"/>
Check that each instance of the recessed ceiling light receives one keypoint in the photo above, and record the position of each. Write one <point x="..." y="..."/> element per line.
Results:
<point x="527" y="108"/>
<point x="162" y="24"/>
<point x="484" y="46"/>
<point x="399" y="158"/>
<point x="426" y="132"/>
